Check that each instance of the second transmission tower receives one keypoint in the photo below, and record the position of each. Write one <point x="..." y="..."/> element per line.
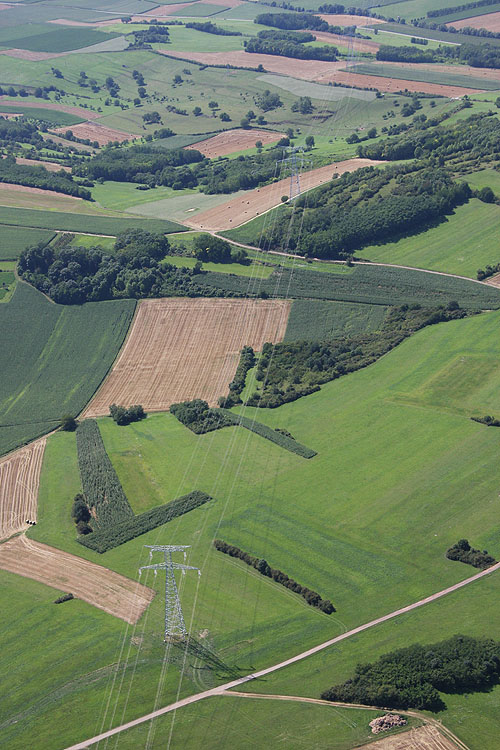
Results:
<point x="295" y="162"/>
<point x="175" y="626"/>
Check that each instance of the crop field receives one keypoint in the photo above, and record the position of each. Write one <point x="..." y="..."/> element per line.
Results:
<point x="428" y="75"/>
<point x="15" y="239"/>
<point x="409" y="9"/>
<point x="315" y="90"/>
<point x="161" y="361"/>
<point x="79" y="222"/>
<point x="95" y="584"/>
<point x="255" y="202"/>
<point x="56" y="360"/>
<point x="446" y="247"/>
<point x="55" y="40"/>
<point x="19" y="479"/>
<point x="234" y="140"/>
<point x="321" y="321"/>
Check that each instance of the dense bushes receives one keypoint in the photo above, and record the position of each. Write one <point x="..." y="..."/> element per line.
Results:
<point x="123" y="531"/>
<point x="123" y="416"/>
<point x="292" y="21"/>
<point x="488" y="421"/>
<point x="288" y="371"/>
<point x="199" y="417"/>
<point x="411" y="677"/>
<point x="311" y="597"/>
<point x="463" y="552"/>
<point x="134" y="164"/>
<point x="102" y="490"/>
<point x="485" y="273"/>
<point x="405" y="54"/>
<point x="293" y="49"/>
<point x="210" y="249"/>
<point x="210" y="28"/>
<point x="247" y="361"/>
<point x="365" y="207"/>
<point x="301" y="37"/>
<point x="39" y="177"/>
<point x="278" y="436"/>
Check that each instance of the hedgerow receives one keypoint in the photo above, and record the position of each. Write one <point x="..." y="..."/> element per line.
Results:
<point x="123" y="531"/>
<point x="247" y="361"/>
<point x="274" y="435"/>
<point x="102" y="489"/>
<point x="311" y="597"/>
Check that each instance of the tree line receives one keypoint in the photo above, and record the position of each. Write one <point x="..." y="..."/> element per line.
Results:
<point x="284" y="48"/>
<point x="210" y="28"/>
<point x="39" y="177"/>
<point x="458" y="8"/>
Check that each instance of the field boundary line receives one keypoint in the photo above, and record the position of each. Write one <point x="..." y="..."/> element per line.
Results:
<point x="221" y="689"/>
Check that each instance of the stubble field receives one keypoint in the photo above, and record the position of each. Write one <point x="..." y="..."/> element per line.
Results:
<point x="19" y="479"/>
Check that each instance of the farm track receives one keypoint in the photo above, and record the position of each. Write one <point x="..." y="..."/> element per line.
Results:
<point x="255" y="202"/>
<point x="183" y="348"/>
<point x="94" y="584"/>
<point x="19" y="480"/>
<point x="221" y="689"/>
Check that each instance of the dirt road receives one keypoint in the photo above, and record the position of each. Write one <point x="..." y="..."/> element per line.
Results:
<point x="221" y="689"/>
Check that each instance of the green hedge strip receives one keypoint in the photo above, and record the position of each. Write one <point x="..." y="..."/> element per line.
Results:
<point x="290" y="444"/>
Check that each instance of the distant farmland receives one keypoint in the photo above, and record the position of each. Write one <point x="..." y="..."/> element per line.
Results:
<point x="55" y="361"/>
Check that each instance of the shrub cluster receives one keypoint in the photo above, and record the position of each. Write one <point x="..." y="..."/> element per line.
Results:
<point x="488" y="421"/>
<point x="80" y="514"/>
<point x="123" y="416"/>
<point x="289" y="48"/>
<point x="483" y="274"/>
<point x="247" y="361"/>
<point x="199" y="417"/>
<point x="64" y="598"/>
<point x="102" y="490"/>
<point x="210" y="28"/>
<point x="412" y="677"/>
<point x="311" y="597"/>
<point x="123" y="531"/>
<point x="389" y="53"/>
<point x="463" y="552"/>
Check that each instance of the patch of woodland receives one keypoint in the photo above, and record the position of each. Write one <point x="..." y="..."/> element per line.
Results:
<point x="485" y="273"/>
<point x="290" y="48"/>
<point x="263" y="567"/>
<point x="413" y="677"/>
<point x="289" y="370"/>
<point x="124" y="416"/>
<point x="369" y="206"/>
<point x="200" y="418"/>
<point x="39" y="177"/>
<point x="463" y="552"/>
<point x="211" y="28"/>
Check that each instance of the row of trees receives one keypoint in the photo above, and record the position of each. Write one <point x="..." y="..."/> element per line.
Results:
<point x="263" y="567"/>
<point x="412" y="677"/>
<point x="284" y="48"/>
<point x="39" y="177"/>
<point x="436" y="13"/>
<point x="210" y="28"/>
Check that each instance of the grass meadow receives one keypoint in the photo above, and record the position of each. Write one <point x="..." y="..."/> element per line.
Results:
<point x="15" y="239"/>
<point x="426" y="76"/>
<point x="401" y="473"/>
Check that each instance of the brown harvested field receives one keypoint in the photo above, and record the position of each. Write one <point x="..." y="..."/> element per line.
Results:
<point x="19" y="196"/>
<point x="421" y="738"/>
<point x="494" y="280"/>
<point x="50" y="166"/>
<point x="335" y="19"/>
<point x="33" y="190"/>
<point x="25" y="54"/>
<point x="94" y="584"/>
<point x="85" y="114"/>
<point x="233" y="140"/>
<point x="255" y="202"/>
<point x="180" y="349"/>
<point x="95" y="132"/>
<point x="19" y="478"/>
<point x="319" y="71"/>
<point x="67" y="22"/>
<point x="490" y="21"/>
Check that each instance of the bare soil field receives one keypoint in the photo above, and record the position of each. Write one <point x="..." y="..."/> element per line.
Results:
<point x="103" y="588"/>
<point x="233" y="140"/>
<point x="95" y="132"/>
<point x="50" y="166"/>
<point x="34" y="190"/>
<point x="67" y="22"/>
<point x="255" y="202"/>
<point x="19" y="478"/>
<point x="493" y="280"/>
<point x="181" y="349"/>
<point x="42" y="104"/>
<point x="25" y="54"/>
<point x="490" y="21"/>
<point x="335" y="19"/>
<point x="421" y="738"/>
<point x="318" y="70"/>
<point x="19" y="196"/>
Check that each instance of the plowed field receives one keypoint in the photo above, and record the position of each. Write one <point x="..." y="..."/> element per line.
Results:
<point x="19" y="478"/>
<point x="254" y="202"/>
<point x="103" y="588"/>
<point x="490" y="21"/>
<point x="50" y="166"/>
<point x="181" y="349"/>
<point x="233" y="140"/>
<point x="422" y="738"/>
<point x="96" y="132"/>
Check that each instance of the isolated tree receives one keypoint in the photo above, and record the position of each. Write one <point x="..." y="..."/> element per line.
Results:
<point x="68" y="423"/>
<point x="224" y="117"/>
<point x="309" y="142"/>
<point x="197" y="111"/>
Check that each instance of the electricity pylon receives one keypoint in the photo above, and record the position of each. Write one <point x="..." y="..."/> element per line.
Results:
<point x="295" y="162"/>
<point x="174" y="621"/>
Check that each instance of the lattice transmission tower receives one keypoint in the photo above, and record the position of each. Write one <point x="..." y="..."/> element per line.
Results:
<point x="295" y="162"/>
<point x="175" y="626"/>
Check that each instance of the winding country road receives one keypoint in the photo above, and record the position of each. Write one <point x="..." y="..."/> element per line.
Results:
<point x="221" y="689"/>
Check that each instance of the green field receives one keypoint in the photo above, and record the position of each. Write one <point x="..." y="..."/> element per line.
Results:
<point x="426" y="76"/>
<point x="55" y="361"/>
<point x="67" y="222"/>
<point x="253" y="270"/>
<point x="447" y="247"/>
<point x="55" y="40"/>
<point x="485" y="178"/>
<point x="409" y="9"/>
<point x="7" y="283"/>
<point x="472" y="12"/>
<point x="317" y="321"/>
<point x="15" y="239"/>
<point x="49" y="115"/>
<point x="396" y="451"/>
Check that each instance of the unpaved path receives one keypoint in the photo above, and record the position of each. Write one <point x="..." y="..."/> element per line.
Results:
<point x="253" y="203"/>
<point x="221" y="689"/>
<point x="103" y="588"/>
<point x="19" y="479"/>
